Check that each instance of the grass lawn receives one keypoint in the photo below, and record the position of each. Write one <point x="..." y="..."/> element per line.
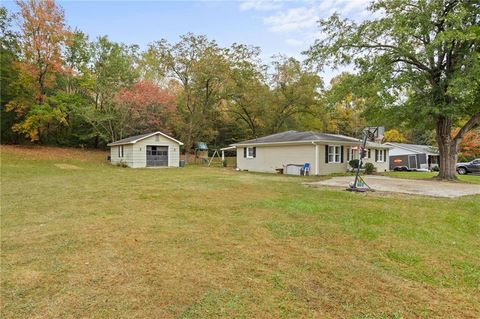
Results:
<point x="84" y="239"/>
<point x="474" y="179"/>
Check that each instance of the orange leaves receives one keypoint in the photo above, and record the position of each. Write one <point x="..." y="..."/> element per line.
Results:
<point x="44" y="35"/>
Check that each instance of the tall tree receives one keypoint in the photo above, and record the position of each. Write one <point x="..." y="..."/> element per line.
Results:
<point x="423" y="56"/>
<point x="148" y="107"/>
<point x="43" y="37"/>
<point x="344" y="106"/>
<point x="113" y="68"/>
<point x="294" y="91"/>
<point x="247" y="90"/>
<point x="199" y="67"/>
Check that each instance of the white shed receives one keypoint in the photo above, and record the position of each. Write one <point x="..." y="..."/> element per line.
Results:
<point x="147" y="150"/>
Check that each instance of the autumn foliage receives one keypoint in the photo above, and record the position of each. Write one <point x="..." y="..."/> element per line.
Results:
<point x="150" y="107"/>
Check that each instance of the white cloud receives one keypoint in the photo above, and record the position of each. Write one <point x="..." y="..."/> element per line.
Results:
<point x="306" y="16"/>
<point x="292" y="19"/>
<point x="260" y="5"/>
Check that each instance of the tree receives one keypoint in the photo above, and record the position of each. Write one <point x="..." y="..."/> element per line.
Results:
<point x="393" y="135"/>
<point x="44" y="35"/>
<point x="470" y="146"/>
<point x="148" y="107"/>
<point x="424" y="59"/>
<point x="294" y="91"/>
<point x="247" y="91"/>
<point x="344" y="106"/>
<point x="114" y="67"/>
<point x="199" y="67"/>
<point x="9" y="55"/>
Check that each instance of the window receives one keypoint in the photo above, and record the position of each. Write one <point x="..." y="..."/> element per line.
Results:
<point x="334" y="154"/>
<point x="379" y="156"/>
<point x="251" y="152"/>
<point x="120" y="151"/>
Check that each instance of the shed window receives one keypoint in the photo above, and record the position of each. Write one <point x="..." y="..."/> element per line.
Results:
<point x="251" y="152"/>
<point x="120" y="151"/>
<point x="334" y="154"/>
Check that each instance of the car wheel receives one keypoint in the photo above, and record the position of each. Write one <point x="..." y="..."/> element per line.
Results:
<point x="461" y="170"/>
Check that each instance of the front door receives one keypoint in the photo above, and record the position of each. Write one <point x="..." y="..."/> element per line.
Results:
<point x="157" y="155"/>
<point x="412" y="159"/>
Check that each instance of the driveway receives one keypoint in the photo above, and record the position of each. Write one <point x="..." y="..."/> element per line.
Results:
<point x="407" y="186"/>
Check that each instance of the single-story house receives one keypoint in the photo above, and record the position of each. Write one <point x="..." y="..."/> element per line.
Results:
<point x="326" y="153"/>
<point x="413" y="156"/>
<point x="147" y="150"/>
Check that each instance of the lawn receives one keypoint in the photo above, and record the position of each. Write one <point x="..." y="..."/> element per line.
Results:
<point x="84" y="239"/>
<point x="474" y="179"/>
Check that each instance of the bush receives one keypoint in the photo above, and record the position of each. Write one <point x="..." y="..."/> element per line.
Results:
<point x="354" y="163"/>
<point x="436" y="169"/>
<point x="122" y="164"/>
<point x="369" y="168"/>
<point x="224" y="163"/>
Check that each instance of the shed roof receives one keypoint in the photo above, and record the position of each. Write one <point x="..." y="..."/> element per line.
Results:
<point x="305" y="137"/>
<point x="420" y="149"/>
<point x="134" y="139"/>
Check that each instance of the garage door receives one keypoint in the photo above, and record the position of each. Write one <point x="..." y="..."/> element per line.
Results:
<point x="157" y="155"/>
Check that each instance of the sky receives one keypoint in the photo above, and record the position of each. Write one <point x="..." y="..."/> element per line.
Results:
<point x="277" y="27"/>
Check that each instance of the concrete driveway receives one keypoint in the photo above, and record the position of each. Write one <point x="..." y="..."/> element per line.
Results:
<point x="407" y="186"/>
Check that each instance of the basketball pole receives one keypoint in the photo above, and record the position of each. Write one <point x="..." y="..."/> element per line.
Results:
<point x="367" y="134"/>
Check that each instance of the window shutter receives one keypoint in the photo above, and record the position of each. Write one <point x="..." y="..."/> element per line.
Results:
<point x="254" y="152"/>
<point x="369" y="154"/>
<point x="376" y="155"/>
<point x="244" y="152"/>
<point x="341" y="154"/>
<point x="118" y="151"/>
<point x="326" y="153"/>
<point x="384" y="155"/>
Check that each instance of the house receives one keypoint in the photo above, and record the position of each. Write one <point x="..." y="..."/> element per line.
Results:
<point x="147" y="150"/>
<point x="413" y="156"/>
<point x="326" y="153"/>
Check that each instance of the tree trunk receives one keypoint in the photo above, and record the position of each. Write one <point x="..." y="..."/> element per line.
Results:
<point x="448" y="148"/>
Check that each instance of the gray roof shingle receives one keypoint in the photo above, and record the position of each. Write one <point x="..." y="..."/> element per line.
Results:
<point x="296" y="136"/>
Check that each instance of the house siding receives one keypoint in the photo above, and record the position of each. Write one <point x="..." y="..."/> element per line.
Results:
<point x="270" y="158"/>
<point x="127" y="155"/>
<point x="135" y="155"/>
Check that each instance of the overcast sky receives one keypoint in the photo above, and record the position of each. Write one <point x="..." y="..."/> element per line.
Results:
<point x="277" y="27"/>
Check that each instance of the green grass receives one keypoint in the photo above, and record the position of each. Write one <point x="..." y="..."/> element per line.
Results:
<point x="474" y="179"/>
<point x="84" y="239"/>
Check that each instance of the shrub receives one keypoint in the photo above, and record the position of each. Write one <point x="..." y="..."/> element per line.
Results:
<point x="436" y="169"/>
<point x="224" y="163"/>
<point x="369" y="168"/>
<point x="354" y="163"/>
<point x="122" y="164"/>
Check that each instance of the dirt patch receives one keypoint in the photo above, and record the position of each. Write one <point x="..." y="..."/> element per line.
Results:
<point x="406" y="186"/>
<point x="67" y="166"/>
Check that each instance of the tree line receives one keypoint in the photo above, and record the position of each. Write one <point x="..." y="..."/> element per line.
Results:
<point x="60" y="87"/>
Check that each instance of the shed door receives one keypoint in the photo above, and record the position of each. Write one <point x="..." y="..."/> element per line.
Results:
<point x="157" y="155"/>
<point x="413" y="161"/>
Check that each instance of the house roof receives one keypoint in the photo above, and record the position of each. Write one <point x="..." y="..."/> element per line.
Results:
<point x="134" y="139"/>
<point x="420" y="149"/>
<point x="293" y="137"/>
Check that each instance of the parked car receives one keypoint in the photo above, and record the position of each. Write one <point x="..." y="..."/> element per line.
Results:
<point x="469" y="167"/>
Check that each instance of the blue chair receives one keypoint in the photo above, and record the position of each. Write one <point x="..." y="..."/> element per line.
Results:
<point x="306" y="168"/>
